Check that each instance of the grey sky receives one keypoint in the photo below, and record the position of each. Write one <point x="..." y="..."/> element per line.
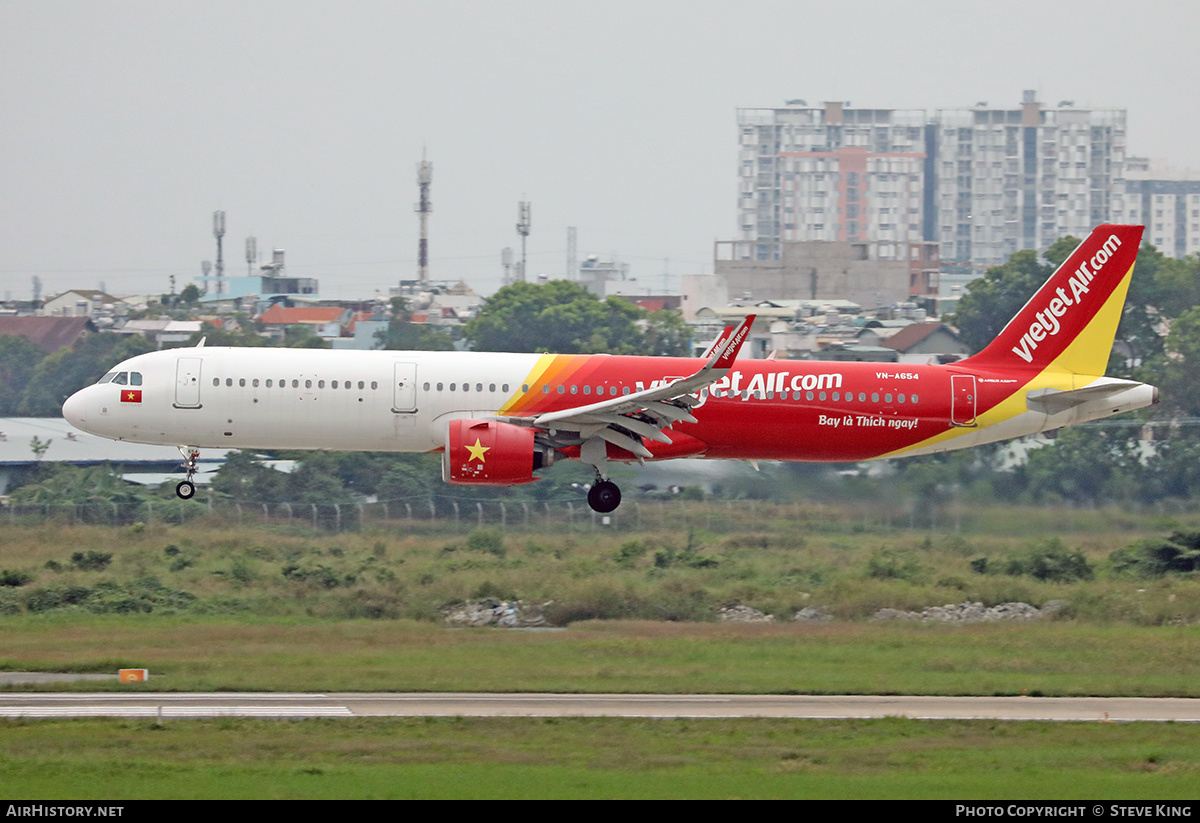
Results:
<point x="126" y="124"/>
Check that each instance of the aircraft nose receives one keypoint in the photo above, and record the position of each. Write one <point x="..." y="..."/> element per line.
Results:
<point x="73" y="410"/>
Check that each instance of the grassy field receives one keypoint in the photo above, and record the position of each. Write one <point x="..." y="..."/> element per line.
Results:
<point x="787" y="558"/>
<point x="597" y="758"/>
<point x="219" y="606"/>
<point x="188" y="654"/>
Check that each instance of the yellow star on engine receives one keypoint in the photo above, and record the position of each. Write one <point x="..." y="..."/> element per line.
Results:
<point x="477" y="451"/>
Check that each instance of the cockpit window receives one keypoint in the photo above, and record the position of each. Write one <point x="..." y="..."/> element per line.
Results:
<point x="107" y="378"/>
<point x="122" y="378"/>
<point x="135" y="378"/>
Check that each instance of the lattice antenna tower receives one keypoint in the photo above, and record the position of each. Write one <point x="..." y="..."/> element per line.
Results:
<point x="251" y="255"/>
<point x="506" y="260"/>
<point x="524" y="224"/>
<point x="424" y="208"/>
<point x="219" y="232"/>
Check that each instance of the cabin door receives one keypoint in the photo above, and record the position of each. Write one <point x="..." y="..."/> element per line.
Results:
<point x="962" y="399"/>
<point x="187" y="383"/>
<point x="404" y="388"/>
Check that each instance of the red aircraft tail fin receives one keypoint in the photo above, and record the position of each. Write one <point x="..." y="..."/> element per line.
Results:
<point x="1070" y="323"/>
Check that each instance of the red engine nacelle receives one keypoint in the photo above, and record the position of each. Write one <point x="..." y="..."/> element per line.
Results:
<point x="491" y="453"/>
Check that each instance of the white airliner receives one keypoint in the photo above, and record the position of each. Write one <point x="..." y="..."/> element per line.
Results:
<point x="498" y="418"/>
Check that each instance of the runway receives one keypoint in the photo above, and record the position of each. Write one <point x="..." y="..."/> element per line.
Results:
<point x="278" y="705"/>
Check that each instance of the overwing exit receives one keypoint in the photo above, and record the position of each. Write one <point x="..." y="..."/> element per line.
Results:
<point x="497" y="419"/>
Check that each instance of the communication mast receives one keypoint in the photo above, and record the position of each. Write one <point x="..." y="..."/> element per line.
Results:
<point x="251" y="255"/>
<point x="524" y="222"/>
<point x="219" y="232"/>
<point x="506" y="260"/>
<point x="424" y="207"/>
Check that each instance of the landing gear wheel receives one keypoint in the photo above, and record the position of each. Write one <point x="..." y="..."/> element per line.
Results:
<point x="185" y="490"/>
<point x="604" y="496"/>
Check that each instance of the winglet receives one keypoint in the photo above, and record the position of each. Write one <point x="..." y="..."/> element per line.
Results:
<point x="716" y="344"/>
<point x="724" y="359"/>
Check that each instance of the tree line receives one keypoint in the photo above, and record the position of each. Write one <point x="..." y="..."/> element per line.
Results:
<point x="559" y="317"/>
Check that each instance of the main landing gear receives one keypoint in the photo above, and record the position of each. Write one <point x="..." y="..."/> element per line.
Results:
<point x="604" y="496"/>
<point x="186" y="489"/>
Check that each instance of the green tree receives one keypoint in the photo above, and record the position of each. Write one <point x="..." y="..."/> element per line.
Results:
<point x="994" y="299"/>
<point x="1084" y="466"/>
<point x="18" y="357"/>
<point x="1174" y="468"/>
<point x="190" y="295"/>
<point x="57" y="376"/>
<point x="244" y="479"/>
<point x="1138" y="342"/>
<point x="1181" y="364"/>
<point x="243" y="335"/>
<point x="300" y="336"/>
<point x="99" y="487"/>
<point x="564" y="317"/>
<point x="666" y="335"/>
<point x="402" y="334"/>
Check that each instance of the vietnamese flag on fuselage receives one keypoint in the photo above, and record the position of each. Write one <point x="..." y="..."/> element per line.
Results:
<point x="131" y="395"/>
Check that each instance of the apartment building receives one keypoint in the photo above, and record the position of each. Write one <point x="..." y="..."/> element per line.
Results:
<point x="829" y="173"/>
<point x="981" y="182"/>
<point x="1166" y="201"/>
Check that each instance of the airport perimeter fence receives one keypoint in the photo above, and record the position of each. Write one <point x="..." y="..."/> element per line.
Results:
<point x="442" y="514"/>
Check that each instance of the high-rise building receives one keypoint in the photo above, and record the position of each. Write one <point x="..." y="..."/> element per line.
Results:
<point x="981" y="182"/>
<point x="829" y="173"/>
<point x="1166" y="201"/>
<point x="1010" y="179"/>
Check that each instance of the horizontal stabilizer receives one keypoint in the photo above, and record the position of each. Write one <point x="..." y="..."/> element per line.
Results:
<point x="1053" y="401"/>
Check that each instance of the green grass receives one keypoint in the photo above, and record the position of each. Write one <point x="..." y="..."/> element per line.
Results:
<point x="188" y="653"/>
<point x="792" y="557"/>
<point x="596" y="758"/>
<point x="270" y="608"/>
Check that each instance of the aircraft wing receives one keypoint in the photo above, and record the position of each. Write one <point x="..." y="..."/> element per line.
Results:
<point x="624" y="420"/>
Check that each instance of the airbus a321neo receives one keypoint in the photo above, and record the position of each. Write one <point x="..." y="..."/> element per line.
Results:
<point x="496" y="419"/>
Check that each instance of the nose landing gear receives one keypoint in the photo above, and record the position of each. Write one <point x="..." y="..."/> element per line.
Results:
<point x="186" y="489"/>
